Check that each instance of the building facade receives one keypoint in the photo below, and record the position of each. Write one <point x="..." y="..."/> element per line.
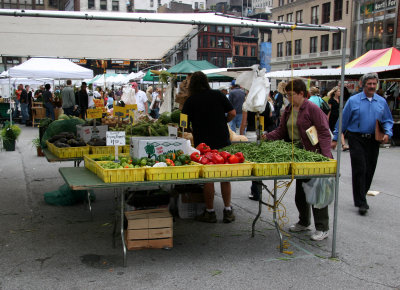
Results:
<point x="310" y="49"/>
<point x="153" y="5"/>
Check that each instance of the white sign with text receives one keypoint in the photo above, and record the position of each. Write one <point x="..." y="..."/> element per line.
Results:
<point x="115" y="138"/>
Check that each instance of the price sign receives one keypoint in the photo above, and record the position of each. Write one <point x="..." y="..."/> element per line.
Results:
<point x="131" y="117"/>
<point x="94" y="113"/>
<point x="115" y="138"/>
<point x="119" y="111"/>
<point x="183" y="120"/>
<point x="262" y="123"/>
<point x="172" y="131"/>
<point x="98" y="103"/>
<point x="130" y="107"/>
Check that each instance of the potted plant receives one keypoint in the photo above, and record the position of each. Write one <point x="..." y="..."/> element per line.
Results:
<point x="9" y="135"/>
<point x="38" y="146"/>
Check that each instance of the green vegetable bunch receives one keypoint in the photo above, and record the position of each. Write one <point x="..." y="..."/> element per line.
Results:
<point x="274" y="152"/>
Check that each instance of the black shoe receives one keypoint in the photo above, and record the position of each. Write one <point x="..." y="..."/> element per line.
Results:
<point x="362" y="210"/>
<point x="252" y="197"/>
<point x="228" y="216"/>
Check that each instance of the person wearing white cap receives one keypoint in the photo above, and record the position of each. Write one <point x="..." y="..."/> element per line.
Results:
<point x="224" y="90"/>
<point x="141" y="99"/>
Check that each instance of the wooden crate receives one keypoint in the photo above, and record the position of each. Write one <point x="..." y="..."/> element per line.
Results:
<point x="150" y="228"/>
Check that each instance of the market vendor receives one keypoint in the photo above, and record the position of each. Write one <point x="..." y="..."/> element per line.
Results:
<point x="183" y="93"/>
<point x="206" y="109"/>
<point x="292" y="127"/>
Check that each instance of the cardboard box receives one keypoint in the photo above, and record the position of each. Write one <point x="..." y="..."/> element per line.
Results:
<point x="150" y="228"/>
<point x="155" y="146"/>
<point x="85" y="132"/>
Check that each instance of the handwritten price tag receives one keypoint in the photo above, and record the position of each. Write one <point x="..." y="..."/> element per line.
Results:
<point x="98" y="103"/>
<point x="115" y="138"/>
<point x="94" y="113"/>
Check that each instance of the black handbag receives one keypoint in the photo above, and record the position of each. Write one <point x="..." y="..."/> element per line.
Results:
<point x="325" y="107"/>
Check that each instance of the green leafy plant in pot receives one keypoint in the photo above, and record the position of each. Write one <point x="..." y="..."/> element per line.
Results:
<point x="9" y="135"/>
<point x="38" y="146"/>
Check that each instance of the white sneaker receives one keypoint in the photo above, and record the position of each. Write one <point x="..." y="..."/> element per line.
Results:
<point x="319" y="235"/>
<point x="298" y="228"/>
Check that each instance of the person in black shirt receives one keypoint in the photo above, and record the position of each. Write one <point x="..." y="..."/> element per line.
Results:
<point x="24" y="104"/>
<point x="83" y="100"/>
<point x="206" y="109"/>
<point x="47" y="99"/>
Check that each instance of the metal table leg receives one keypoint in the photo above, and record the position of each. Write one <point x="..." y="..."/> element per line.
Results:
<point x="122" y="225"/>
<point x="259" y="187"/>
<point x="116" y="214"/>
<point x="275" y="219"/>
<point x="89" y="192"/>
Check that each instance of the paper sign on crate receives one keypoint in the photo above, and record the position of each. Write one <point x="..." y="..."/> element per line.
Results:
<point x="98" y="103"/>
<point x="123" y="111"/>
<point x="115" y="138"/>
<point x="94" y="113"/>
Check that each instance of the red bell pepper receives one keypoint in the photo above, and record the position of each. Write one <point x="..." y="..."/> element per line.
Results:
<point x="214" y="151"/>
<point x="240" y="156"/>
<point x="233" y="159"/>
<point x="169" y="162"/>
<point x="204" y="160"/>
<point x="203" y="148"/>
<point x="209" y="156"/>
<point x="225" y="155"/>
<point x="218" y="159"/>
<point x="195" y="157"/>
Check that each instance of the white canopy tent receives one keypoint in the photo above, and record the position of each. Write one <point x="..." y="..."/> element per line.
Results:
<point x="50" y="68"/>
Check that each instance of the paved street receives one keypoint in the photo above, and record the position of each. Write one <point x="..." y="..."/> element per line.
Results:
<point x="54" y="247"/>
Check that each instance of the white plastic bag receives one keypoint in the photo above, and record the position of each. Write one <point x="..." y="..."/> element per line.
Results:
<point x="258" y="94"/>
<point x="319" y="191"/>
<point x="245" y="79"/>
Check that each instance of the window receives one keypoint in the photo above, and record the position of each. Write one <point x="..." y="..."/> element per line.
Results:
<point x="227" y="29"/>
<point x="347" y="7"/>
<point x="336" y="41"/>
<point x="288" y="48"/>
<point x="196" y="5"/>
<point x="103" y="4"/>
<point x="326" y="12"/>
<point x="151" y="3"/>
<point x="159" y="3"/>
<point x="227" y="42"/>
<point x="314" y="15"/>
<point x="253" y="51"/>
<point x="213" y="28"/>
<point x="237" y="50"/>
<point x="220" y="29"/>
<point x="38" y="2"/>
<point x="90" y="4"/>
<point x="244" y="50"/>
<point x="313" y="44"/>
<point x="297" y="47"/>
<point x="53" y="3"/>
<point x="115" y="5"/>
<point x="299" y="16"/>
<point x="325" y="42"/>
<point x="280" y="18"/>
<point x="289" y="17"/>
<point x="281" y="3"/>
<point x="212" y="41"/>
<point x="205" y="44"/>
<point x="337" y="10"/>
<point x="220" y="43"/>
<point x="279" y="49"/>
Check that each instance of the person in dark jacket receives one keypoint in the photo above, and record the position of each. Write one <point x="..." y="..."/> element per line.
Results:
<point x="305" y="114"/>
<point x="47" y="100"/>
<point x="83" y="100"/>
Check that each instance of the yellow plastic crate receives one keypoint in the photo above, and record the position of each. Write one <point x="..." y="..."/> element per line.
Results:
<point x="271" y="169"/>
<point x="120" y="175"/>
<point x="126" y="149"/>
<point x="314" y="168"/>
<point x="69" y="152"/>
<point x="174" y="172"/>
<point x="227" y="170"/>
<point x="104" y="149"/>
<point x="90" y="163"/>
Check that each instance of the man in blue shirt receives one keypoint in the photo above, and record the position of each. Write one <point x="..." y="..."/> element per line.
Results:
<point x="236" y="97"/>
<point x="359" y="119"/>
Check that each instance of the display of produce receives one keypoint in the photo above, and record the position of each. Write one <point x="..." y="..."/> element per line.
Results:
<point x="66" y="139"/>
<point x="273" y="152"/>
<point x="58" y="126"/>
<point x="210" y="156"/>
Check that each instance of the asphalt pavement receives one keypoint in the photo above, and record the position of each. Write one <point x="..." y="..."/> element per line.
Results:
<point x="62" y="247"/>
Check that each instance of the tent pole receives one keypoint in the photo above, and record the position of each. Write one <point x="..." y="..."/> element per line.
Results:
<point x="338" y="150"/>
<point x="10" y="92"/>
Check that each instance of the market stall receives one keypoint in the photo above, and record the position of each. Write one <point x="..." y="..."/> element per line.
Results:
<point x="142" y="39"/>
